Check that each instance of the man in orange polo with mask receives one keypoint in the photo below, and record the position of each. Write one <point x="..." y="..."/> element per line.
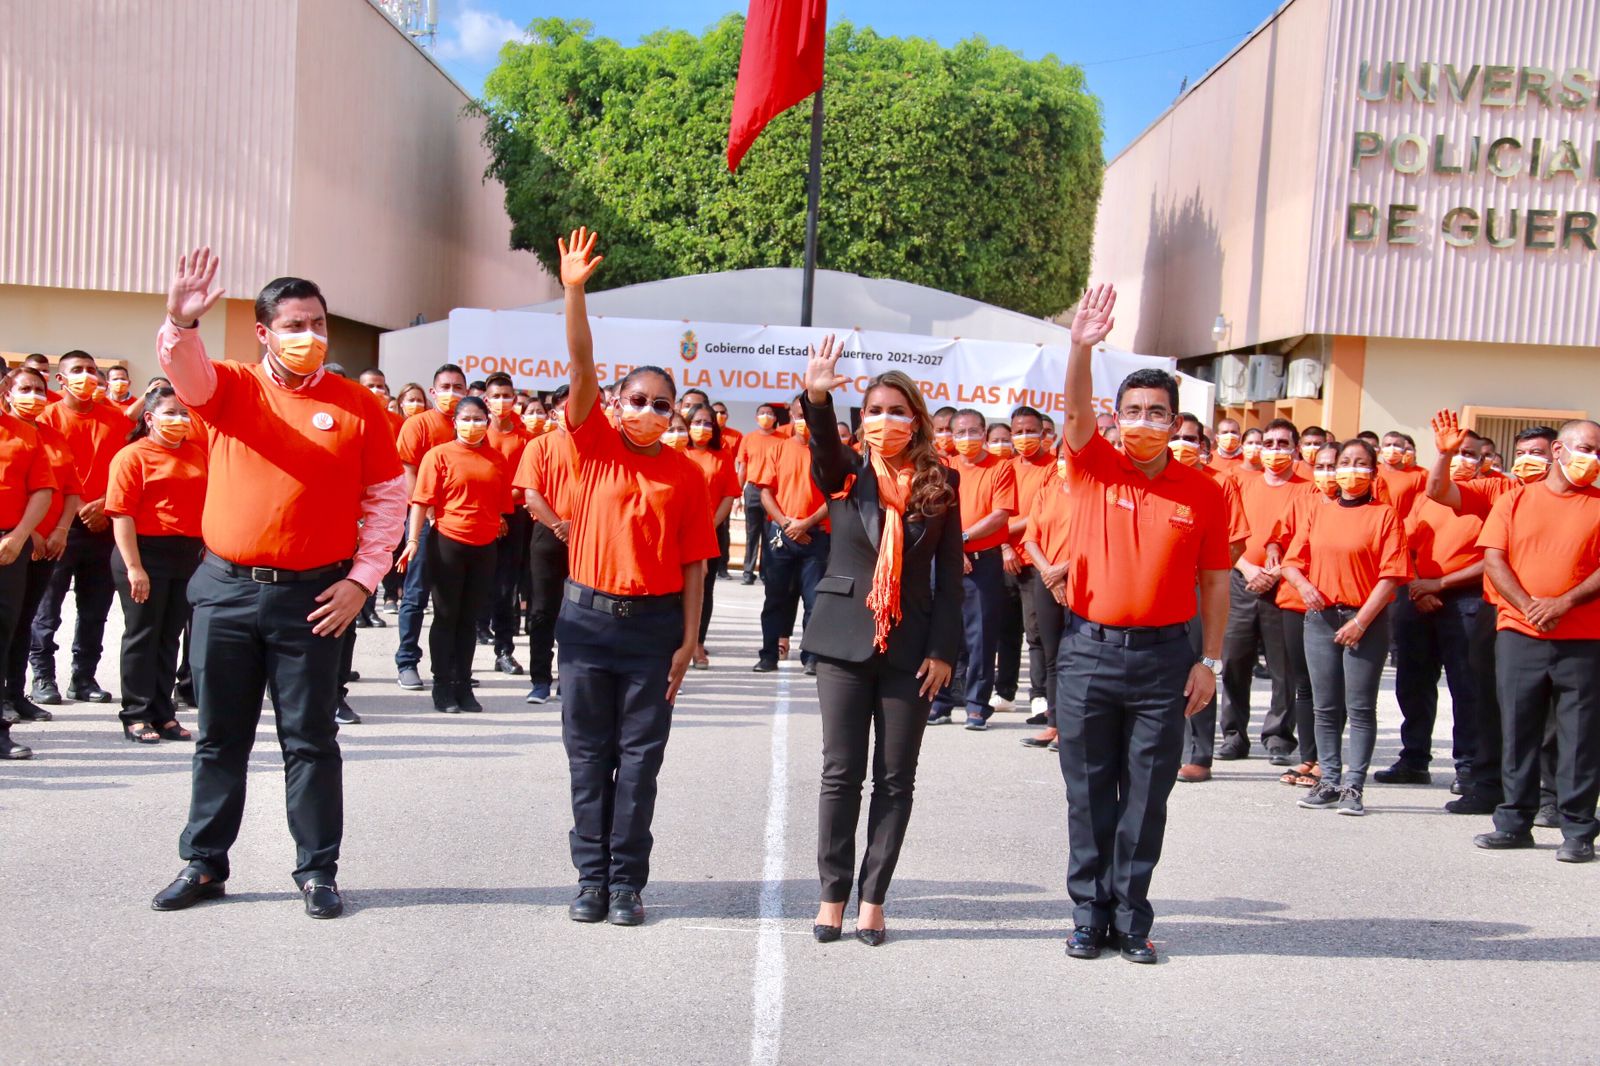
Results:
<point x="797" y="552"/>
<point x="305" y="504"/>
<point x="1145" y="532"/>
<point x="756" y="452"/>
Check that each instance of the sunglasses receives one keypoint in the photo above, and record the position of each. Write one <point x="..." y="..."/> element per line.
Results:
<point x="639" y="402"/>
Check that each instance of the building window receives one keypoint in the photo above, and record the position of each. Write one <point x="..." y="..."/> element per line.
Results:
<point x="1502" y="424"/>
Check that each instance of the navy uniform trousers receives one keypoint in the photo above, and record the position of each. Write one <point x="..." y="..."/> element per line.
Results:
<point x="1119" y="707"/>
<point x="615" y="718"/>
<point x="251" y="639"/>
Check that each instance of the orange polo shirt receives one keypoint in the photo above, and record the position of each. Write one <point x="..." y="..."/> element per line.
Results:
<point x="94" y="437"/>
<point x="717" y="469"/>
<point x="1138" y="543"/>
<point x="1479" y="495"/>
<point x="1030" y="474"/>
<point x="1264" y="504"/>
<point x="288" y="469"/>
<point x="423" y="431"/>
<point x="987" y="485"/>
<point x="546" y="468"/>
<point x="756" y="452"/>
<point x="59" y="453"/>
<point x="788" y="475"/>
<point x="1441" y="541"/>
<point x="24" y="470"/>
<point x="1238" y="523"/>
<point x="1405" y="487"/>
<point x="1050" y="520"/>
<point x="1552" y="543"/>
<point x="637" y="520"/>
<point x="162" y="489"/>
<point x="468" y="488"/>
<point x="1345" y="551"/>
<point x="511" y="446"/>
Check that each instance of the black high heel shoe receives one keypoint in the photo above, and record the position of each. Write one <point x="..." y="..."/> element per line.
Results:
<point x="826" y="934"/>
<point x="873" y="938"/>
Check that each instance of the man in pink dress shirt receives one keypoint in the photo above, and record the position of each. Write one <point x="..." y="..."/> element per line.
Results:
<point x="305" y="503"/>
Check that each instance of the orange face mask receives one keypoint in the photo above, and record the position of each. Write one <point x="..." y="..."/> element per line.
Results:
<point x="472" y="432"/>
<point x="28" y="405"/>
<point x="1000" y="449"/>
<point x="411" y="407"/>
<point x="642" y="425"/>
<point x="1252" y="452"/>
<point x="801" y="430"/>
<point x="82" y="385"/>
<point x="445" y="402"/>
<point x="1278" y="460"/>
<point x="1392" y="455"/>
<point x="1326" y="481"/>
<point x="1228" y="442"/>
<point x="676" y="439"/>
<point x="174" y="429"/>
<point x="1027" y="444"/>
<point x="1308" y="452"/>
<point x="700" y="433"/>
<point x="766" y="420"/>
<point x="1530" y="468"/>
<point x="120" y="389"/>
<point x="722" y="418"/>
<point x="1186" y="452"/>
<point x="971" y="447"/>
<point x="533" y="422"/>
<point x="1462" y="468"/>
<point x="888" y="435"/>
<point x="1581" y="468"/>
<point x="1355" y="480"/>
<point x="1143" y="441"/>
<point x="500" y="406"/>
<point x="944" y="442"/>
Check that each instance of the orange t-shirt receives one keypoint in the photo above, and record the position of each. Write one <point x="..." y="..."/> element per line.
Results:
<point x="1226" y="465"/>
<point x="397" y="422"/>
<point x="94" y="437"/>
<point x="59" y="454"/>
<point x="756" y="451"/>
<point x="1479" y="495"/>
<point x="1050" y="520"/>
<point x="162" y="489"/>
<point x="423" y="431"/>
<point x="1405" y="488"/>
<point x="717" y="468"/>
<point x="511" y="446"/>
<point x="1345" y="551"/>
<point x="1294" y="517"/>
<point x="1139" y="543"/>
<point x="1264" y="504"/>
<point x="731" y="439"/>
<point x="288" y="469"/>
<point x="1031" y="474"/>
<point x="637" y="520"/>
<point x="546" y="468"/>
<point x="1238" y="523"/>
<point x="788" y="475"/>
<point x="987" y="485"/>
<point x="24" y="470"/>
<point x="468" y="488"/>
<point x="1552" y="543"/>
<point x="1441" y="541"/>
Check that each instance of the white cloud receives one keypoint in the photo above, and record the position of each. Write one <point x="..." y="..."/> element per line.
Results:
<point x="475" y="36"/>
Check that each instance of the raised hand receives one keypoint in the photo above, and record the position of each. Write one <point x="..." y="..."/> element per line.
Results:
<point x="822" y="375"/>
<point x="192" y="293"/>
<point x="1447" y="432"/>
<point x="577" y="257"/>
<point x="1093" y="321"/>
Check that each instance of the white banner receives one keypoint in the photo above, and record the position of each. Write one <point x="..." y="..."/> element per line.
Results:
<point x="767" y="363"/>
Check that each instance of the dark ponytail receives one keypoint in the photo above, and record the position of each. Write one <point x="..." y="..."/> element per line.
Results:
<point x="152" y="400"/>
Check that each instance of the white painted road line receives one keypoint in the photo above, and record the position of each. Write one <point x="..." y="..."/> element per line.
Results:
<point x="766" y="1014"/>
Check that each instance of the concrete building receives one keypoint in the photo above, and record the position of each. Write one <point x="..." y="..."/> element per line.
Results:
<point x="305" y="137"/>
<point x="1372" y="209"/>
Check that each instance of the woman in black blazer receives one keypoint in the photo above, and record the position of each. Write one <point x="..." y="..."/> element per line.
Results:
<point x="885" y="629"/>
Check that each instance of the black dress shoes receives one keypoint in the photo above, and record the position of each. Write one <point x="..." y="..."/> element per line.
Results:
<point x="1086" y="942"/>
<point x="1500" y="840"/>
<point x="1401" y="774"/>
<point x="1470" y="805"/>
<point x="626" y="909"/>
<point x="186" y="891"/>
<point x="1575" y="851"/>
<point x="826" y="934"/>
<point x="322" y="900"/>
<point x="589" y="906"/>
<point x="45" y="691"/>
<point x="467" y="700"/>
<point x="873" y="938"/>
<point x="28" y="711"/>
<point x="10" y="749"/>
<point x="87" y="692"/>
<point x="1547" y="818"/>
<point x="1138" y="949"/>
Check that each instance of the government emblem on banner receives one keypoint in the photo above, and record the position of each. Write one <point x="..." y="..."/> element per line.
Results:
<point x="689" y="346"/>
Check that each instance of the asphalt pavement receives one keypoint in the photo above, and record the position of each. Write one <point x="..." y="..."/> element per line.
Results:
<point x="1286" y="936"/>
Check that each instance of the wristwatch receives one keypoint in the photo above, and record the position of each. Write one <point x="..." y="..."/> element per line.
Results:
<point x="1214" y="665"/>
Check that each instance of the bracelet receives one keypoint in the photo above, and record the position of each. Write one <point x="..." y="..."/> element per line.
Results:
<point x="414" y="540"/>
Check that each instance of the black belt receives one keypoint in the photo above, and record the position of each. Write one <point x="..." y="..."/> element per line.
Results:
<point x="987" y="551"/>
<point x="622" y="606"/>
<point x="266" y="575"/>
<point x="1128" y="636"/>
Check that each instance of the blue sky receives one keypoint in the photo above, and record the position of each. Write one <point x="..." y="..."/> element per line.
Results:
<point x="1135" y="53"/>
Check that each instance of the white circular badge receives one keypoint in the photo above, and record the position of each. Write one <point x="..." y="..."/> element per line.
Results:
<point x="322" y="420"/>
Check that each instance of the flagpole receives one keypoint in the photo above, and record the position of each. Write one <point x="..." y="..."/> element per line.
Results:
<point x="813" y="200"/>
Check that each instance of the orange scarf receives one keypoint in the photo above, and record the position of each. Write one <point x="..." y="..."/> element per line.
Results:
<point x="894" y="490"/>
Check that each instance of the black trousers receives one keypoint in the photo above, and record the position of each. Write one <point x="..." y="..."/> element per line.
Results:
<point x="153" y="630"/>
<point x="790" y="573"/>
<point x="13" y="585"/>
<point x="1425" y="646"/>
<point x="755" y="530"/>
<point x="86" y="566"/>
<point x="251" y="639"/>
<point x="615" y="720"/>
<point x="499" y="612"/>
<point x="1300" y="703"/>
<point x="858" y="701"/>
<point x="982" y="592"/>
<point x="707" y="602"/>
<point x="1018" y="629"/>
<point x="724" y="545"/>
<point x="1200" y="729"/>
<point x="1252" y="618"/>
<point x="1488" y="760"/>
<point x="547" y="561"/>
<point x="1121" y="722"/>
<point x="14" y="666"/>
<point x="1051" y="619"/>
<point x="462" y="580"/>
<point x="1539" y="678"/>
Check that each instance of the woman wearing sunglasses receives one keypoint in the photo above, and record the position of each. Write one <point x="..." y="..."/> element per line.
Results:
<point x="886" y="629"/>
<point x="707" y="451"/>
<point x="640" y="536"/>
<point x="1345" y="561"/>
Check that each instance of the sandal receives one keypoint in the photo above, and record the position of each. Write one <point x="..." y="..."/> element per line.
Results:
<point x="173" y="731"/>
<point x="1308" y="779"/>
<point x="783" y="648"/>
<point x="141" y="733"/>
<point x="1294" y="776"/>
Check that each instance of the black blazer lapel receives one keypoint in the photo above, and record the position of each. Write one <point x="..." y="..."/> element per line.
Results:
<point x="867" y="499"/>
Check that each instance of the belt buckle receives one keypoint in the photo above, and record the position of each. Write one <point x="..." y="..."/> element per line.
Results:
<point x="622" y="608"/>
<point x="263" y="575"/>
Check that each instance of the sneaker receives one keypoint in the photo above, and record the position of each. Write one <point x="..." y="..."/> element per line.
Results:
<point x="977" y="723"/>
<point x="390" y="607"/>
<point x="938" y="717"/>
<point x="410" y="679"/>
<point x="1547" y="818"/>
<point x="346" y="715"/>
<point x="1038" y="705"/>
<point x="811" y="669"/>
<point x="1350" y="802"/>
<point x="539" y="692"/>
<point x="999" y="703"/>
<point x="764" y="666"/>
<point x="1322" y="798"/>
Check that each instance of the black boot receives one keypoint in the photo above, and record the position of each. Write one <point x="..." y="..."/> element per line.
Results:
<point x="466" y="699"/>
<point x="444" y="697"/>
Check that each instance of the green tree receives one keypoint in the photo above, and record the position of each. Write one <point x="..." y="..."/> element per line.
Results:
<point x="967" y="169"/>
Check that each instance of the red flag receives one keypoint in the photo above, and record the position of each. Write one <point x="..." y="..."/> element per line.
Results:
<point x="781" y="65"/>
